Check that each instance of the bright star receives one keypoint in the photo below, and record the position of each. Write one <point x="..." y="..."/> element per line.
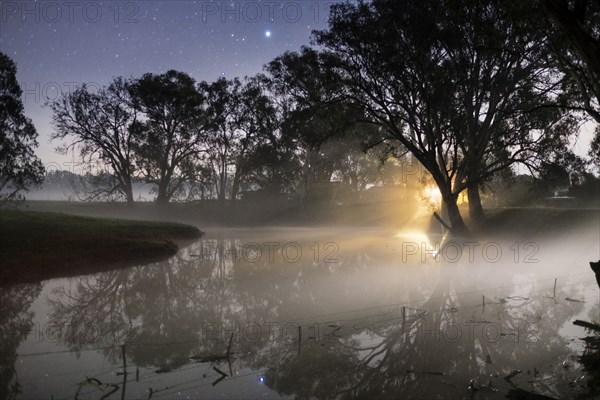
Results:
<point x="268" y="33"/>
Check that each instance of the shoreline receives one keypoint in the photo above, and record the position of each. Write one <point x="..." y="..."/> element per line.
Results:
<point x="36" y="246"/>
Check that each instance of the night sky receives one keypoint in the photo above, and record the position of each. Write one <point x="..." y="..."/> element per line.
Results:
<point x="60" y="44"/>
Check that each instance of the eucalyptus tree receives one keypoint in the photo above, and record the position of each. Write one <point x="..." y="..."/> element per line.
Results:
<point x="390" y="64"/>
<point x="172" y="133"/>
<point x="102" y="126"/>
<point x="574" y="40"/>
<point x="244" y="118"/>
<point x="505" y="92"/>
<point x="219" y="138"/>
<point x="576" y="45"/>
<point x="594" y="152"/>
<point x="327" y="131"/>
<point x="456" y="83"/>
<point x="19" y="166"/>
<point x="257" y="120"/>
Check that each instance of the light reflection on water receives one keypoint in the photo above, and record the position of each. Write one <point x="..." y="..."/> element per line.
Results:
<point x="307" y="313"/>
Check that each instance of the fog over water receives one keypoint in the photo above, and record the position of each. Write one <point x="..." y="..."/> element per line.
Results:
<point x="313" y="312"/>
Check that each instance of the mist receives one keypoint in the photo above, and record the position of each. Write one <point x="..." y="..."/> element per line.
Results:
<point x="311" y="200"/>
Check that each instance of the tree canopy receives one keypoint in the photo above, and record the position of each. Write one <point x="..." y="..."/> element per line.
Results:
<point x="461" y="88"/>
<point x="20" y="168"/>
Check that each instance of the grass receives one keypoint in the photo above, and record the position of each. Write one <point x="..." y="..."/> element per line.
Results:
<point x="42" y="245"/>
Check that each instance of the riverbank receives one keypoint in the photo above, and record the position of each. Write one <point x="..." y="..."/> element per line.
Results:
<point x="386" y="215"/>
<point x="537" y="222"/>
<point x="41" y="245"/>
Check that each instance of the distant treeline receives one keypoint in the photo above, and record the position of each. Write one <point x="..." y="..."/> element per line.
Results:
<point x="556" y="187"/>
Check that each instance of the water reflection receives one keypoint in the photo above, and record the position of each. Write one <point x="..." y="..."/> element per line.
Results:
<point x="15" y="325"/>
<point x="442" y="347"/>
<point x="314" y="321"/>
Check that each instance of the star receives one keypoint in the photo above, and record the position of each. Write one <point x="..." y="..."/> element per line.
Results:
<point x="268" y="34"/>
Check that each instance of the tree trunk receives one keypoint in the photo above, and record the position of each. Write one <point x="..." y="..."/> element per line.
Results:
<point x="222" y="182"/>
<point x="235" y="187"/>
<point x="221" y="194"/>
<point x="453" y="214"/>
<point x="162" y="198"/>
<point x="475" y="209"/>
<point x="128" y="192"/>
<point x="450" y="211"/>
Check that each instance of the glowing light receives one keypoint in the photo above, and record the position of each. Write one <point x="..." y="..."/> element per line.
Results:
<point x="261" y="379"/>
<point x="268" y="34"/>
<point x="415" y="236"/>
<point x="431" y="196"/>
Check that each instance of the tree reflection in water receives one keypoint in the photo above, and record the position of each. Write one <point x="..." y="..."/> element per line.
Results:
<point x="187" y="309"/>
<point x="451" y="347"/>
<point x="15" y="324"/>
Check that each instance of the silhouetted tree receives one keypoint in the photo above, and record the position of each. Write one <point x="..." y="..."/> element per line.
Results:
<point x="244" y="117"/>
<point x="19" y="166"/>
<point x="173" y="131"/>
<point x="503" y="90"/>
<point x="579" y="55"/>
<point x="457" y="86"/>
<point x="577" y="50"/>
<point x="103" y="127"/>
<point x="390" y="65"/>
<point x="594" y="152"/>
<point x="328" y="132"/>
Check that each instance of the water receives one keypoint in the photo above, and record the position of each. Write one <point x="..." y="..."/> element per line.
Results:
<point x="320" y="313"/>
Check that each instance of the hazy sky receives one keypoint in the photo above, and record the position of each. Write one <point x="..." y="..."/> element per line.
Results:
<point x="58" y="45"/>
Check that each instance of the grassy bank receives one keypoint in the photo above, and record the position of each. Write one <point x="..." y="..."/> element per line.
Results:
<point x="212" y="213"/>
<point x="41" y="245"/>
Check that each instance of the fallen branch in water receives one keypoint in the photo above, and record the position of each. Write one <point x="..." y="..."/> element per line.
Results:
<point x="588" y="325"/>
<point x="441" y="221"/>
<point x="574" y="300"/>
<point x="512" y="374"/>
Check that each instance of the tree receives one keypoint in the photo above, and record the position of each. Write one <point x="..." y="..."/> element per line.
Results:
<point x="103" y="126"/>
<point x="257" y="121"/>
<point x="172" y="133"/>
<point x="326" y="140"/>
<point x="324" y="129"/>
<point x="390" y="64"/>
<point x="594" y="152"/>
<point x="16" y="323"/>
<point x="577" y="51"/>
<point x="459" y="87"/>
<point x="220" y="140"/>
<point x="244" y="117"/>
<point x="578" y="23"/>
<point x="274" y="167"/>
<point x="19" y="166"/>
<point x="503" y="90"/>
